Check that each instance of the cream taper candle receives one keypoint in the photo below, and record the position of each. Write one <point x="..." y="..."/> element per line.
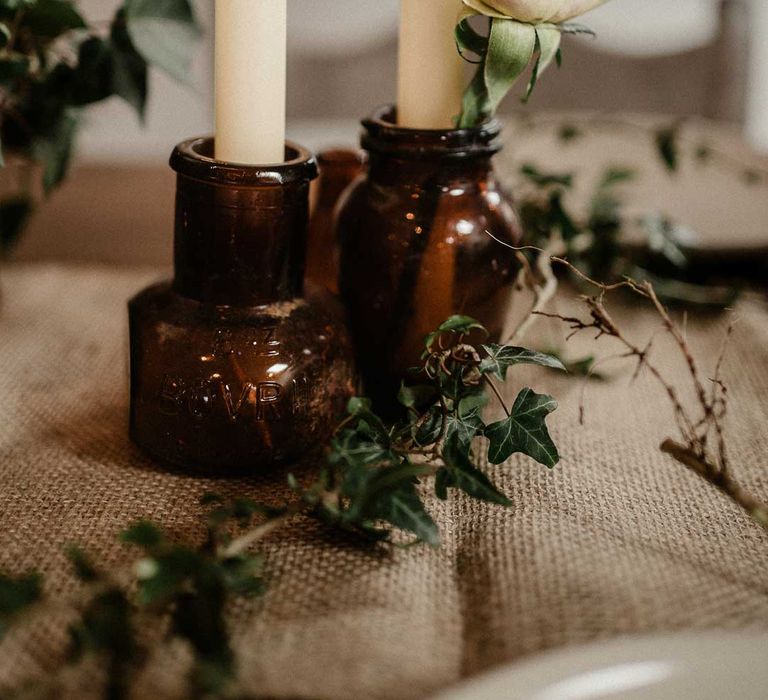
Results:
<point x="251" y="49"/>
<point x="431" y="74"/>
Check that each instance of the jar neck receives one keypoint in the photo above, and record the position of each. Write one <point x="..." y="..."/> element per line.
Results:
<point x="240" y="233"/>
<point x="423" y="156"/>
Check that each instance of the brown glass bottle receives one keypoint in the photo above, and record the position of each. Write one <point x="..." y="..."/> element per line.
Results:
<point x="338" y="169"/>
<point x="417" y="243"/>
<point x="233" y="367"/>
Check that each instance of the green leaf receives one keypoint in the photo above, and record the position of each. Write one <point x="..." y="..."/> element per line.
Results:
<point x="54" y="151"/>
<point x="210" y="498"/>
<point x="468" y="41"/>
<point x="465" y="427"/>
<point x="666" y="145"/>
<point x="12" y="67"/>
<point x="93" y="75"/>
<point x="461" y="324"/>
<point x="475" y="105"/>
<point x="560" y="218"/>
<point x="543" y="180"/>
<point x="129" y="69"/>
<point x="548" y="43"/>
<point x="143" y="534"/>
<point x="82" y="565"/>
<point x="510" y="50"/>
<point x="568" y="133"/>
<point x="460" y="473"/>
<point x="16" y="595"/>
<point x="615" y="176"/>
<point x="403" y="508"/>
<point x="416" y="396"/>
<point x="429" y="430"/>
<point x="525" y="430"/>
<point x="242" y="575"/>
<point x="501" y="357"/>
<point x="165" y="33"/>
<point x="52" y="18"/>
<point x="14" y="215"/>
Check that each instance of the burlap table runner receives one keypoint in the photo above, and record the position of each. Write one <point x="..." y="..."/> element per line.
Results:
<point x="616" y="540"/>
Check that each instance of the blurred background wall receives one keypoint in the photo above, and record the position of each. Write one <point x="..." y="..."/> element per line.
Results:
<point x="706" y="58"/>
<point x="686" y="57"/>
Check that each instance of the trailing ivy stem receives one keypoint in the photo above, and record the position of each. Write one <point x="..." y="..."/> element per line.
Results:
<point x="496" y="391"/>
<point x="241" y="544"/>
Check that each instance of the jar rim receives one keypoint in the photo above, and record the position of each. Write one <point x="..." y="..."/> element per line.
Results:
<point x="194" y="159"/>
<point x="382" y="134"/>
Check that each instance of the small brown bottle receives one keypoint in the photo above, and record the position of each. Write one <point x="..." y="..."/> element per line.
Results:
<point x="419" y="242"/>
<point x="233" y="367"/>
<point x="339" y="167"/>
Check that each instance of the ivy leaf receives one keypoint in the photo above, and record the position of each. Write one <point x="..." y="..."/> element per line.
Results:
<point x="666" y="145"/>
<point x="429" y="430"/>
<point x="463" y="428"/>
<point x="560" y="218"/>
<point x="16" y="595"/>
<point x="82" y="565"/>
<point x="501" y="357"/>
<point x="416" y="396"/>
<point x="460" y="473"/>
<point x="52" y="18"/>
<point x="369" y="423"/>
<point x="243" y="575"/>
<point x="14" y="214"/>
<point x="510" y="50"/>
<point x="389" y="494"/>
<point x="143" y="534"/>
<point x="93" y="76"/>
<point x="129" y="68"/>
<point x="461" y="324"/>
<point x="54" y="151"/>
<point x="616" y="176"/>
<point x="106" y="627"/>
<point x="532" y="173"/>
<point x="165" y="33"/>
<point x="12" y="67"/>
<point x="404" y="509"/>
<point x="525" y="430"/>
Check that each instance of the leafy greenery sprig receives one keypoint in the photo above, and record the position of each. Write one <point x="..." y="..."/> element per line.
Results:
<point x="54" y="62"/>
<point x="502" y="56"/>
<point x="372" y="485"/>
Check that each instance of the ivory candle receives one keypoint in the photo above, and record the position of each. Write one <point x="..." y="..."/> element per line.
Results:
<point x="251" y="50"/>
<point x="431" y="73"/>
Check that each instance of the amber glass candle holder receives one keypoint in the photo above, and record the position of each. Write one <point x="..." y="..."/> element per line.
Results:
<point x="417" y="244"/>
<point x="339" y="167"/>
<point x="233" y="367"/>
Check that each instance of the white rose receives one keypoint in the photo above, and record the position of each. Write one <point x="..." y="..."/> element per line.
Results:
<point x="533" y="11"/>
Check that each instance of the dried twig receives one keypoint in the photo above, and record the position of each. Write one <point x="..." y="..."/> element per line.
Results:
<point x="703" y="445"/>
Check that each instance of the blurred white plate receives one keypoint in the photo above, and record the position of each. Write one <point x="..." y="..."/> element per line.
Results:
<point x="708" y="666"/>
<point x="725" y="212"/>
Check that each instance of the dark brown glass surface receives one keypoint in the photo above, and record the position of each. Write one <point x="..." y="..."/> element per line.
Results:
<point x="233" y="367"/>
<point x="338" y="169"/>
<point x="417" y="243"/>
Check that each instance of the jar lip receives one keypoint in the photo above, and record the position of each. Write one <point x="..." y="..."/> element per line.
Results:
<point x="194" y="158"/>
<point x="383" y="135"/>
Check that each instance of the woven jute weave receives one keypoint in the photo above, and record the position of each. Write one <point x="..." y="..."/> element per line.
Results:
<point x="617" y="540"/>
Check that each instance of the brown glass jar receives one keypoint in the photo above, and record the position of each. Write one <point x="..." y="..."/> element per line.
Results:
<point x="233" y="367"/>
<point x="339" y="167"/>
<point x="417" y="243"/>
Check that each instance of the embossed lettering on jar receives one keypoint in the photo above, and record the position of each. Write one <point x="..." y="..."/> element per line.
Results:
<point x="234" y="366"/>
